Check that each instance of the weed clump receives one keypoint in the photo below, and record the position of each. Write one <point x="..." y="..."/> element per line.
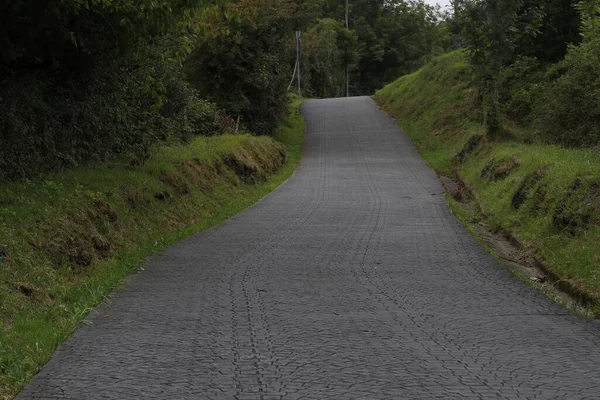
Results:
<point x="4" y="256"/>
<point x="176" y="180"/>
<point x="254" y="164"/>
<point x="529" y="188"/>
<point x="469" y="147"/>
<point x="580" y="207"/>
<point x="500" y="168"/>
<point x="82" y="237"/>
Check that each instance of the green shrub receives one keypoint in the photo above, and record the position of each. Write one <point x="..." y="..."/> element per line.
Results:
<point x="238" y="62"/>
<point x="569" y="112"/>
<point x="580" y="207"/>
<point x="81" y="81"/>
<point x="75" y="36"/>
<point x="521" y="86"/>
<point x="47" y="125"/>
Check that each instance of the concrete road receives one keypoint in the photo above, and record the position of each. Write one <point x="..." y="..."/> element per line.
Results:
<point x="351" y="281"/>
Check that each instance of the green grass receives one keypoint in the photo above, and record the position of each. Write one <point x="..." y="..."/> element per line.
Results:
<point x="73" y="238"/>
<point x="431" y="105"/>
<point x="558" y="217"/>
<point x="571" y="253"/>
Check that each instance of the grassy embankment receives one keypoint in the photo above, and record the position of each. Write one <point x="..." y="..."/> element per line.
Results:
<point x="68" y="241"/>
<point x="546" y="196"/>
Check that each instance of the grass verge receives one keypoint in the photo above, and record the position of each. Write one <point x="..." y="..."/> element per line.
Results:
<point x="547" y="197"/>
<point x="67" y="242"/>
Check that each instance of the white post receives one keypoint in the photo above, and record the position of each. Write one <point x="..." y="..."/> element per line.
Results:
<point x="346" y="14"/>
<point x="347" y="51"/>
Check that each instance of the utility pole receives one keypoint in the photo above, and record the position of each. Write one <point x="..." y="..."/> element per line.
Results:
<point x="298" y="58"/>
<point x="346" y="14"/>
<point x="346" y="50"/>
<point x="297" y="65"/>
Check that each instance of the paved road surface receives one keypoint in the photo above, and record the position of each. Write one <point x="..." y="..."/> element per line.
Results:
<point x="351" y="281"/>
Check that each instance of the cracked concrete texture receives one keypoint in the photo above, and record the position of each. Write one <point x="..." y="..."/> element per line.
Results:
<point x="351" y="281"/>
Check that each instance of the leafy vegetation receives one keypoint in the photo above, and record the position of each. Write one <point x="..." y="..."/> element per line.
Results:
<point x="385" y="39"/>
<point x="569" y="109"/>
<point x="68" y="241"/>
<point x="248" y="49"/>
<point x="76" y="35"/>
<point x="545" y="195"/>
<point x="89" y="80"/>
<point x="328" y="47"/>
<point x="242" y="54"/>
<point x="537" y="62"/>
<point x="46" y="127"/>
<point x="85" y="80"/>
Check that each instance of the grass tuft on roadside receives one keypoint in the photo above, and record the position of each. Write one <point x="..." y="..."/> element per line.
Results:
<point x="65" y="243"/>
<point x="546" y="196"/>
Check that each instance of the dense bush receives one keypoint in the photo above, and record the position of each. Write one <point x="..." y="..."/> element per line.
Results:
<point x="238" y="62"/>
<point x="75" y="35"/>
<point x="82" y="81"/>
<point x="86" y="80"/>
<point x="521" y="85"/>
<point x="538" y="62"/>
<point x="569" y="112"/>
<point x="47" y="125"/>
<point x="393" y="38"/>
<point x="327" y="48"/>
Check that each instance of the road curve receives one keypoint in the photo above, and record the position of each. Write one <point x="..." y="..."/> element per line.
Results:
<point x="353" y="280"/>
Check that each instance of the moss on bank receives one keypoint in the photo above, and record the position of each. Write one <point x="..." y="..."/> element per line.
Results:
<point x="65" y="243"/>
<point x="547" y="196"/>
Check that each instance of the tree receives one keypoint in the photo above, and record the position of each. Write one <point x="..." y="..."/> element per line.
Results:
<point x="239" y="62"/>
<point x="569" y="112"/>
<point x="327" y="48"/>
<point x="393" y="38"/>
<point x="77" y="34"/>
<point x="493" y="31"/>
<point x="83" y="80"/>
